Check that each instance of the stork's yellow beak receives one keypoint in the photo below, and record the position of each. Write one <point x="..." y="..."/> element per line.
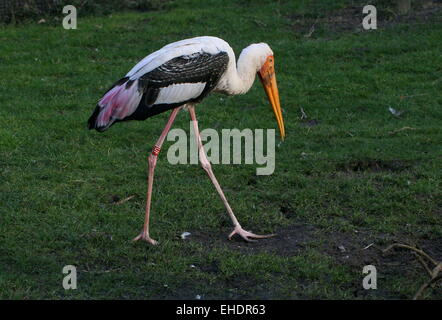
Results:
<point x="268" y="80"/>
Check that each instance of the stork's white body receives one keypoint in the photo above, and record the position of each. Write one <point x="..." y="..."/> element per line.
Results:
<point x="124" y="101"/>
<point x="236" y="79"/>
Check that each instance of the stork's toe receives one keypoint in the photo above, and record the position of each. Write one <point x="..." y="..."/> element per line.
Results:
<point x="145" y="237"/>
<point x="248" y="236"/>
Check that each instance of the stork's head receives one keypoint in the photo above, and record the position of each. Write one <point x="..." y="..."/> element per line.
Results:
<point x="266" y="73"/>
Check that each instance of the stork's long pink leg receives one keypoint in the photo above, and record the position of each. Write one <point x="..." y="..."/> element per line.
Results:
<point x="144" y="235"/>
<point x="246" y="235"/>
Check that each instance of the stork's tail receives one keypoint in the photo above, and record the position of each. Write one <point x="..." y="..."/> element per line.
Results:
<point x="119" y="102"/>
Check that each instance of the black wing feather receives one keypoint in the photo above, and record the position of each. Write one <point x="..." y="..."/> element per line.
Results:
<point x="197" y="67"/>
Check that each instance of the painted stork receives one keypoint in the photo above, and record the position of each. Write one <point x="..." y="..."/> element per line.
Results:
<point x="180" y="75"/>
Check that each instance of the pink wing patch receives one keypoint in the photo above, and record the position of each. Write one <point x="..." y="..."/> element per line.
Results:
<point x="118" y="103"/>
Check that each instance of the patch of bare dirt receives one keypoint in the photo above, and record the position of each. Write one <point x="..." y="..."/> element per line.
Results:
<point x="287" y="242"/>
<point x="350" y="19"/>
<point x="373" y="165"/>
<point x="351" y="249"/>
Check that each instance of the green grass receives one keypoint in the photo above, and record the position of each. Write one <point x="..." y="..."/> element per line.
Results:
<point x="350" y="179"/>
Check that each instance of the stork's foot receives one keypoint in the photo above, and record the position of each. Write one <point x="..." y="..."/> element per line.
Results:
<point x="248" y="236"/>
<point x="144" y="236"/>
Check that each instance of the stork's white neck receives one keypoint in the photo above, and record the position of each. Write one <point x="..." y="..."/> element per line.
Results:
<point x="239" y="79"/>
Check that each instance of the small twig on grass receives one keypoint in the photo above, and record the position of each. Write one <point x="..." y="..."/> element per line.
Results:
<point x="423" y="264"/>
<point x="425" y="285"/>
<point x="303" y="114"/>
<point x="82" y="5"/>
<point x="394" y="13"/>
<point x="402" y="129"/>
<point x="437" y="269"/>
<point x="436" y="81"/>
<point x="78" y="181"/>
<point x="312" y="29"/>
<point x="414" y="95"/>
<point x="405" y="246"/>
<point x="102" y="271"/>
<point x="368" y="246"/>
<point x="123" y="200"/>
<point x="435" y="274"/>
<point x="259" y="23"/>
